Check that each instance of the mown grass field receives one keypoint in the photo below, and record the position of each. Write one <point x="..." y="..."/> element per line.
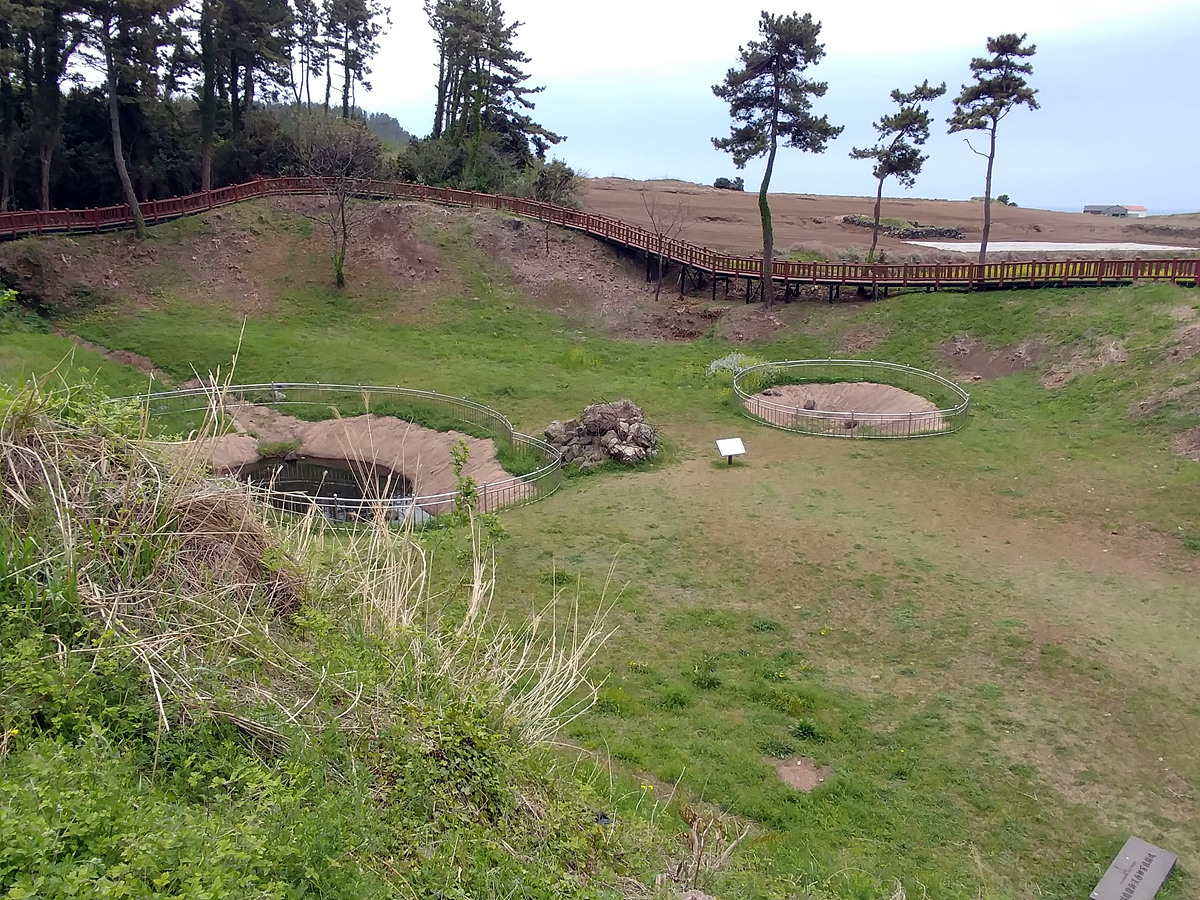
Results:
<point x="990" y="637"/>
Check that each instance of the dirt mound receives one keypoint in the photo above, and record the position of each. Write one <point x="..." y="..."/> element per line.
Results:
<point x="1186" y="396"/>
<point x="1187" y="444"/>
<point x="971" y="360"/>
<point x="1080" y="362"/>
<point x="881" y="402"/>
<point x="1188" y="346"/>
<point x="801" y="772"/>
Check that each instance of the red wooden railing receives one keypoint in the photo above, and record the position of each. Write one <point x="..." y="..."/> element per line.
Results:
<point x="723" y="265"/>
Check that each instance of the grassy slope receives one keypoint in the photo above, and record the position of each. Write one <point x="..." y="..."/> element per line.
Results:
<point x="993" y="634"/>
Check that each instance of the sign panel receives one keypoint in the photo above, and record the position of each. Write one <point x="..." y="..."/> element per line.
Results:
<point x="731" y="447"/>
<point x="1136" y="874"/>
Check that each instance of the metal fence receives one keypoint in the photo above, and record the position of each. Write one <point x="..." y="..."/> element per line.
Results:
<point x="185" y="410"/>
<point x="949" y="399"/>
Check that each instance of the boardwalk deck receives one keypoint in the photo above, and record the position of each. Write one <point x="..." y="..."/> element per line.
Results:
<point x="701" y="262"/>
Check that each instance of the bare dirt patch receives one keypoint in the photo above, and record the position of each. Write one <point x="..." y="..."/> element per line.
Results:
<point x="801" y="772"/>
<point x="882" y="402"/>
<point x="125" y="358"/>
<point x="1187" y="444"/>
<point x="729" y="220"/>
<point x="861" y="339"/>
<point x="972" y="361"/>
<point x="1186" y="395"/>
<point x="1188" y="344"/>
<point x="420" y="454"/>
<point x="1080" y="362"/>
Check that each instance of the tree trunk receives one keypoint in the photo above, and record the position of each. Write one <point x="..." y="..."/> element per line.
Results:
<point x="346" y="74"/>
<point x="439" y="112"/>
<point x="875" y="233"/>
<point x="45" y="155"/>
<point x="328" y="80"/>
<point x="987" y="198"/>
<point x="208" y="93"/>
<point x="114" y="122"/>
<point x="339" y="263"/>
<point x="764" y="210"/>
<point x="235" y="96"/>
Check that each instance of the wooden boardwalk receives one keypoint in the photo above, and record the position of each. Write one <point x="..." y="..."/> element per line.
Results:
<point x="698" y="266"/>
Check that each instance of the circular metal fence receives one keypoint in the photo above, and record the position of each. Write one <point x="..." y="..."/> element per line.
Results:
<point x="183" y="411"/>
<point x="949" y="400"/>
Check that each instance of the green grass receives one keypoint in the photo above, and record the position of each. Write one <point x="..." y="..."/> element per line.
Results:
<point x="988" y="636"/>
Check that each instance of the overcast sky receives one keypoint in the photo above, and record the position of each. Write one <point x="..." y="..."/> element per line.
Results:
<point x="629" y="83"/>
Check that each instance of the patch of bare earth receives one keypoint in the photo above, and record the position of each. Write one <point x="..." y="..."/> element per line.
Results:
<point x="1186" y="396"/>
<point x="973" y="361"/>
<point x="1187" y="444"/>
<point x="420" y="454"/>
<point x="1078" y="362"/>
<point x="861" y="339"/>
<point x="591" y="283"/>
<point x="801" y="772"/>
<point x="729" y="220"/>
<point x="883" y="403"/>
<point x="126" y="358"/>
<point x="1187" y="346"/>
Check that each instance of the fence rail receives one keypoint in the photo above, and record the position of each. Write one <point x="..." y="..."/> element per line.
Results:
<point x="950" y="400"/>
<point x="185" y="407"/>
<point x="1042" y="273"/>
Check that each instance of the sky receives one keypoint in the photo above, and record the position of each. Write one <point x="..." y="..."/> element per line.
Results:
<point x="629" y="82"/>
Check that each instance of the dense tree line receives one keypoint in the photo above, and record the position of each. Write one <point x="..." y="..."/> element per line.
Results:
<point x="136" y="99"/>
<point x="482" y="136"/>
<point x="109" y="101"/>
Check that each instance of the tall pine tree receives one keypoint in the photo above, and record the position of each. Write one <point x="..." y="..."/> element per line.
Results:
<point x="770" y="101"/>
<point x="999" y="87"/>
<point x="901" y="135"/>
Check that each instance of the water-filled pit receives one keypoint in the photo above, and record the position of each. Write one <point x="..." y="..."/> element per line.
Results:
<point x="339" y="488"/>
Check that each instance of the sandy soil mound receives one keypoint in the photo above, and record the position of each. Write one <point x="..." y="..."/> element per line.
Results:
<point x="856" y="396"/>
<point x="420" y="454"/>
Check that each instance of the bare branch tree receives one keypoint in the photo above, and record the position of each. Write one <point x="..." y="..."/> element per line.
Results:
<point x="342" y="153"/>
<point x="668" y="220"/>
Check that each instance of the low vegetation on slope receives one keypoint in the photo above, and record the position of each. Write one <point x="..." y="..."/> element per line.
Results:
<point x="197" y="702"/>
<point x="988" y="638"/>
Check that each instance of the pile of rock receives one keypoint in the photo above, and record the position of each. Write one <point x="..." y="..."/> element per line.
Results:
<point x="605" y="431"/>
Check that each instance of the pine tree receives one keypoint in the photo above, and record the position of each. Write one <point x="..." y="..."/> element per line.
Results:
<point x="51" y="34"/>
<point x="897" y="153"/>
<point x="770" y="101"/>
<point x="352" y="30"/>
<point x="482" y="95"/>
<point x="999" y="87"/>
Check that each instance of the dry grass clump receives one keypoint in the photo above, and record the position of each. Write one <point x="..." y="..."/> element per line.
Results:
<point x="198" y="580"/>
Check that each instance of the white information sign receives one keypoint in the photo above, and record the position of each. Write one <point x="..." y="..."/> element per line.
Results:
<point x="730" y="447"/>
